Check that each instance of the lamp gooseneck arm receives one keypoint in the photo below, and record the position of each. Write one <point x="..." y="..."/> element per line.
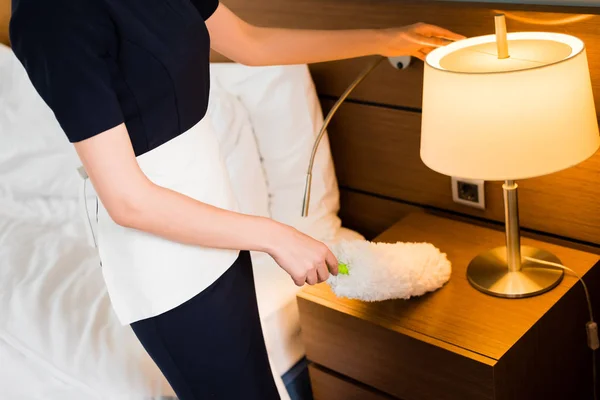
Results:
<point x="337" y="104"/>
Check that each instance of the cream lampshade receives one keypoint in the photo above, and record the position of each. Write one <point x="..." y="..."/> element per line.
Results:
<point x="502" y="108"/>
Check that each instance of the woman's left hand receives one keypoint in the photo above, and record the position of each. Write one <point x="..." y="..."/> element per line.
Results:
<point x="416" y="40"/>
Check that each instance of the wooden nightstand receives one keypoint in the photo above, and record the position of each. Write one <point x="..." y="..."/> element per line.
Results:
<point x="455" y="343"/>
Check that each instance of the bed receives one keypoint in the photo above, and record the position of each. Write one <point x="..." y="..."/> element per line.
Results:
<point x="59" y="338"/>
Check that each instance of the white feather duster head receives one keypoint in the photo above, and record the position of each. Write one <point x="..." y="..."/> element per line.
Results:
<point x="382" y="271"/>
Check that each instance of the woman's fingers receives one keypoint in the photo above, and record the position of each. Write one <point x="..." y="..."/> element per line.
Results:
<point x="299" y="281"/>
<point x="322" y="273"/>
<point x="422" y="53"/>
<point x="430" y="41"/>
<point x="331" y="263"/>
<point x="312" y="277"/>
<point x="437" y="31"/>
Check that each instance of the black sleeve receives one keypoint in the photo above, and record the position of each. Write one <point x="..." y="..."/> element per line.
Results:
<point x="64" y="48"/>
<point x="206" y="8"/>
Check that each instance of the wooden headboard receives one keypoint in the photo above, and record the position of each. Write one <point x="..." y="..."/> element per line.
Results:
<point x="4" y="18"/>
<point x="375" y="134"/>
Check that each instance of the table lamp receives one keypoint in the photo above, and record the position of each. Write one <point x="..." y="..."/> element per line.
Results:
<point x="506" y="107"/>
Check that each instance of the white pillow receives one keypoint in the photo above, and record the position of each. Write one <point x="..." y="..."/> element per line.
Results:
<point x="54" y="309"/>
<point x="238" y="147"/>
<point x="286" y="117"/>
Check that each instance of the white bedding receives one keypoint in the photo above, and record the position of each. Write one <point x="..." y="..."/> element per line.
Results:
<point x="58" y="334"/>
<point x="55" y="312"/>
<point x="22" y="370"/>
<point x="59" y="338"/>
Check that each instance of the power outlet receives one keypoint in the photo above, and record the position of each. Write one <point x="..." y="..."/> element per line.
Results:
<point x="469" y="192"/>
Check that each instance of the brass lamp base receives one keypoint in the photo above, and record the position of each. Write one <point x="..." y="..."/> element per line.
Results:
<point x="489" y="273"/>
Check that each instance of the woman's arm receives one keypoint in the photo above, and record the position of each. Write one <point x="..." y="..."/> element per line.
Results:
<point x="252" y="45"/>
<point x="132" y="200"/>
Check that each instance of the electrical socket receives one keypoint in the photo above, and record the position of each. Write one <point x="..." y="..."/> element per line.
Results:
<point x="469" y="192"/>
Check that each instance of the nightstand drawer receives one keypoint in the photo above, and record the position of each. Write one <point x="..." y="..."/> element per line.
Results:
<point x="326" y="386"/>
<point x="391" y="362"/>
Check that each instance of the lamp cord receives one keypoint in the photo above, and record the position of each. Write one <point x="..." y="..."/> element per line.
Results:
<point x="591" y="326"/>
<point x="335" y="107"/>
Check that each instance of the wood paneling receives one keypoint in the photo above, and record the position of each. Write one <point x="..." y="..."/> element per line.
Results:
<point x="386" y="85"/>
<point x="4" y="18"/>
<point x="376" y="150"/>
<point x="572" y="6"/>
<point x="455" y="325"/>
<point x="370" y="215"/>
<point x="326" y="386"/>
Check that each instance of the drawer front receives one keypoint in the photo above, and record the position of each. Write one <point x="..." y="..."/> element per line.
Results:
<point x="393" y="363"/>
<point x="326" y="386"/>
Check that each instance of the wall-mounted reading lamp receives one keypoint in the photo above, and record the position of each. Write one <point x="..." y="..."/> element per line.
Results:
<point x="400" y="62"/>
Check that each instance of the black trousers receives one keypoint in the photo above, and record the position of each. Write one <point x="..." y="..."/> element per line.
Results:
<point x="212" y="346"/>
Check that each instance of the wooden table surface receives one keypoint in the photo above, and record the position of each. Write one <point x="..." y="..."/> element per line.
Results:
<point x="458" y="317"/>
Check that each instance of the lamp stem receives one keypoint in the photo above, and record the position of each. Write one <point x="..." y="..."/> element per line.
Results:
<point x="500" y="271"/>
<point x="511" y="218"/>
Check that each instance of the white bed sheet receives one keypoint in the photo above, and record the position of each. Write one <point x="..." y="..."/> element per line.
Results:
<point x="59" y="338"/>
<point x="55" y="312"/>
<point x="21" y="370"/>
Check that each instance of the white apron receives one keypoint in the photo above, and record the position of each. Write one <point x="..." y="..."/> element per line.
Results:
<point x="145" y="274"/>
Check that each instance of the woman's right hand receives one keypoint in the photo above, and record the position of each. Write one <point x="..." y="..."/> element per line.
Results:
<point x="306" y="260"/>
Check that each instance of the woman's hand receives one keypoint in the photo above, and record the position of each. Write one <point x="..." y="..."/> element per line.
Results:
<point x="415" y="40"/>
<point x="304" y="258"/>
<point x="253" y="45"/>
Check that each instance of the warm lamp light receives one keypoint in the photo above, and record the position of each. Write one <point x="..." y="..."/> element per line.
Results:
<point x="502" y="108"/>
